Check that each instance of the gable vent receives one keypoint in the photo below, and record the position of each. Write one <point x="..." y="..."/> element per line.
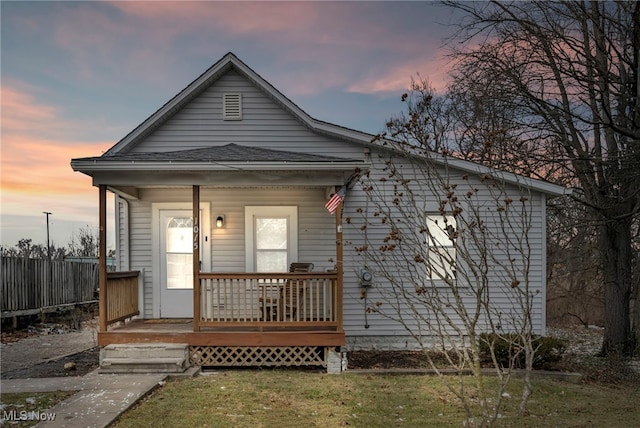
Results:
<point x="232" y="107"/>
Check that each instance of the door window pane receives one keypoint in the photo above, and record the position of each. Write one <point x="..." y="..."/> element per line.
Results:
<point x="179" y="252"/>
<point x="180" y="235"/>
<point x="179" y="270"/>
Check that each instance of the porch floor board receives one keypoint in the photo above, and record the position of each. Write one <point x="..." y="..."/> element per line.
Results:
<point x="139" y="331"/>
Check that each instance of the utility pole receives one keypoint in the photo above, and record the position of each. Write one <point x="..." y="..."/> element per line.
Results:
<point x="45" y="295"/>
<point x="48" y="246"/>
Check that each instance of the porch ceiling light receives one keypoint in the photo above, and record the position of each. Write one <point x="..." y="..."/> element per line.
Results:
<point x="220" y="221"/>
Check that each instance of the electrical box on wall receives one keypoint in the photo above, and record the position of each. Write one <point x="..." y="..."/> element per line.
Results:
<point x="366" y="278"/>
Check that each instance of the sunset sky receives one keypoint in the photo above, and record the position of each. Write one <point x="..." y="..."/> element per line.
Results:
<point x="76" y="77"/>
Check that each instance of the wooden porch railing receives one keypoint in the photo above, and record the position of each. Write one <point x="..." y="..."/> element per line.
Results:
<point x="121" y="296"/>
<point x="269" y="300"/>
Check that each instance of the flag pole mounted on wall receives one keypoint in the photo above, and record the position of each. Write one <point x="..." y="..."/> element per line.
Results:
<point x="336" y="199"/>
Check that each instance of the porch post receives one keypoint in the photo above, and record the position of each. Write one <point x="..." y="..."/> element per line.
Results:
<point x="196" y="258"/>
<point x="102" y="258"/>
<point x="339" y="265"/>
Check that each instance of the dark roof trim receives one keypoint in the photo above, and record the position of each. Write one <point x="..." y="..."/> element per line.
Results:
<point x="220" y="158"/>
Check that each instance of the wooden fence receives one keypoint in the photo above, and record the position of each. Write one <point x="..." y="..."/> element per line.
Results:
<point x="32" y="285"/>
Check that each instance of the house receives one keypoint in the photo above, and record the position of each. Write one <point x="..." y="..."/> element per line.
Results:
<point x="224" y="243"/>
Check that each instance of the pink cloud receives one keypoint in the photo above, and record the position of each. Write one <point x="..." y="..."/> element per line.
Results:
<point x="24" y="114"/>
<point x="398" y="79"/>
<point x="35" y="160"/>
<point x="233" y="17"/>
<point x="315" y="45"/>
<point x="20" y="111"/>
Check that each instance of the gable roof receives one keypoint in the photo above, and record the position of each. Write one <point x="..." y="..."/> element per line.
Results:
<point x="120" y="158"/>
<point x="195" y="88"/>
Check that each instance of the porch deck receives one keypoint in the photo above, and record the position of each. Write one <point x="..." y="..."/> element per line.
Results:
<point x="182" y="331"/>
<point x="233" y="310"/>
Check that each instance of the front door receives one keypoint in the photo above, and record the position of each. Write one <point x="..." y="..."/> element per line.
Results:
<point x="176" y="260"/>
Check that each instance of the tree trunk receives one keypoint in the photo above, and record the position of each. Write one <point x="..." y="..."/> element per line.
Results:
<point x="635" y="318"/>
<point x="635" y="305"/>
<point x="615" y="250"/>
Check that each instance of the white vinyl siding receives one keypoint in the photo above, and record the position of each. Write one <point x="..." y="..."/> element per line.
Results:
<point x="383" y="332"/>
<point x="122" y="234"/>
<point x="141" y="248"/>
<point x="264" y="124"/>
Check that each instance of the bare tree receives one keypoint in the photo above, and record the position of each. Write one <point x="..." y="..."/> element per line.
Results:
<point x="25" y="248"/>
<point x="452" y="252"/>
<point x="574" y="277"/>
<point x="570" y="73"/>
<point x="84" y="243"/>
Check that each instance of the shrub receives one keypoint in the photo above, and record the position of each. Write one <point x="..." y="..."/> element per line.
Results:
<point x="508" y="349"/>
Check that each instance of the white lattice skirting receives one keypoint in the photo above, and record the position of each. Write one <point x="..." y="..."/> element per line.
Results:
<point x="226" y="356"/>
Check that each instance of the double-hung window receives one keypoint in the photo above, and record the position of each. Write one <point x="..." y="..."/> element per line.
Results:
<point x="271" y="238"/>
<point x="441" y="248"/>
<point x="271" y="244"/>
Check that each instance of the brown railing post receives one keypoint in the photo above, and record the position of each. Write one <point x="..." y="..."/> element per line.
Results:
<point x="196" y="258"/>
<point x="102" y="258"/>
<point x="339" y="265"/>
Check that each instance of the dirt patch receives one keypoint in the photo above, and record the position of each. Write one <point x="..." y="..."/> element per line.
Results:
<point x="82" y="363"/>
<point x="14" y="336"/>
<point x="387" y="360"/>
<point x="44" y="346"/>
<point x="580" y="341"/>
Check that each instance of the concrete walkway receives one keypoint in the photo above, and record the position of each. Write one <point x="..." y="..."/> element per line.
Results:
<point x="41" y="348"/>
<point x="100" y="400"/>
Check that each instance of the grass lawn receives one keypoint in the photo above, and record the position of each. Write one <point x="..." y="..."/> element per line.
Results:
<point x="289" y="398"/>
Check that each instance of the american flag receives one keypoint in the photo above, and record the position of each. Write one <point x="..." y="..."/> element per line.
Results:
<point x="336" y="198"/>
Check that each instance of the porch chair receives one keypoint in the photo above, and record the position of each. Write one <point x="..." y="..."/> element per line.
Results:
<point x="278" y="306"/>
<point x="293" y="291"/>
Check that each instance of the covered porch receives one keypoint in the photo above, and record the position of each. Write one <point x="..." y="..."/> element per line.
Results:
<point x="266" y="306"/>
<point x="239" y="319"/>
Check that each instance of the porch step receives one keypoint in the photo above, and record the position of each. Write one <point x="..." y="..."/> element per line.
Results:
<point x="145" y="358"/>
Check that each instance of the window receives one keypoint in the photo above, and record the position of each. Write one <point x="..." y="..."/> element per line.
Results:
<point x="441" y="248"/>
<point x="271" y="244"/>
<point x="271" y="234"/>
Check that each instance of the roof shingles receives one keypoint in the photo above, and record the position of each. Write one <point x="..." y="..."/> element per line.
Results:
<point x="227" y="153"/>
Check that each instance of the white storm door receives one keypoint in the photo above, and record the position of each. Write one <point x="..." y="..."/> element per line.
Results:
<point x="176" y="260"/>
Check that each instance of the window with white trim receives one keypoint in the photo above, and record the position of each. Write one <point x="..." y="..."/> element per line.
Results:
<point x="271" y="238"/>
<point x="441" y="249"/>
